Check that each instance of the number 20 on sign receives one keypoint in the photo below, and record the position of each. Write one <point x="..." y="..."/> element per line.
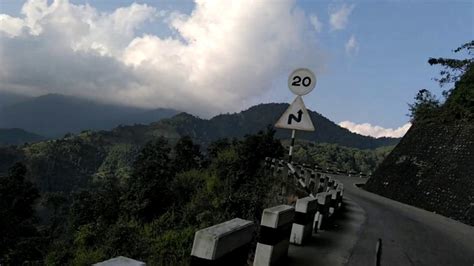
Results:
<point x="301" y="81"/>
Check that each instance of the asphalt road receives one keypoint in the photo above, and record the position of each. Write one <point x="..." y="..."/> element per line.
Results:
<point x="333" y="246"/>
<point x="410" y="236"/>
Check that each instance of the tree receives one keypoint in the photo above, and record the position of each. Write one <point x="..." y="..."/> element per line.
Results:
<point x="18" y="233"/>
<point x="425" y="104"/>
<point x="187" y="155"/>
<point x="217" y="146"/>
<point x="148" y="193"/>
<point x="239" y="170"/>
<point x="453" y="69"/>
<point x="99" y="203"/>
<point x="459" y="100"/>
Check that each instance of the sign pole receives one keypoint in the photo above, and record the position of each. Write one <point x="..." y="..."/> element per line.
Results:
<point x="290" y="154"/>
<point x="296" y="117"/>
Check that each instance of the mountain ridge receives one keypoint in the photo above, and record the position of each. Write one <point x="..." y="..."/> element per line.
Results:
<point x="260" y="116"/>
<point x="53" y="115"/>
<point x="17" y="136"/>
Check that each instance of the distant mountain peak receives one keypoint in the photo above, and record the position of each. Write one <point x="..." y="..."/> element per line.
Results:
<point x="55" y="114"/>
<point x="259" y="117"/>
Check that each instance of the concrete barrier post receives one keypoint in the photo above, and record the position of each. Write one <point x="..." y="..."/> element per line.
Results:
<point x="324" y="198"/>
<point x="330" y="184"/>
<point x="333" y="202"/>
<point x="340" y="190"/>
<point x="303" y="175"/>
<point x="274" y="240"/>
<point x="321" y="184"/>
<point x="326" y="183"/>
<point x="312" y="182"/>
<point x="301" y="229"/>
<point x="227" y="243"/>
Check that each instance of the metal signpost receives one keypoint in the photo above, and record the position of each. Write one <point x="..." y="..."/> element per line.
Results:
<point x="301" y="82"/>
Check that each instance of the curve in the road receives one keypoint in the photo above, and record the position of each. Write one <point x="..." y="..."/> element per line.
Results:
<point x="410" y="236"/>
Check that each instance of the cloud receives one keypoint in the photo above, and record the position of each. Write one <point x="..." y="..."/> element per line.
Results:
<point x="352" y="46"/>
<point x="317" y="24"/>
<point x="221" y="55"/>
<point x="367" y="129"/>
<point x="338" y="18"/>
<point x="10" y="25"/>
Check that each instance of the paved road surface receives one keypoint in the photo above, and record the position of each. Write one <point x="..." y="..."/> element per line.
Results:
<point x="410" y="236"/>
<point x="331" y="247"/>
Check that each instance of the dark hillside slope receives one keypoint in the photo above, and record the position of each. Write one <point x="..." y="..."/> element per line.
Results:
<point x="433" y="165"/>
<point x="9" y="98"/>
<point x="54" y="115"/>
<point x="16" y="136"/>
<point x="259" y="117"/>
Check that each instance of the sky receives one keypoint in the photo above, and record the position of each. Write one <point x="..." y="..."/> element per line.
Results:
<point x="211" y="57"/>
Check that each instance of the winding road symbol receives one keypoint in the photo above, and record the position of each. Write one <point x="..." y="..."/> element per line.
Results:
<point x="293" y="117"/>
<point x="296" y="117"/>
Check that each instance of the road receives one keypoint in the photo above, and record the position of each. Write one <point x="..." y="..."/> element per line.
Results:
<point x="331" y="247"/>
<point x="410" y="236"/>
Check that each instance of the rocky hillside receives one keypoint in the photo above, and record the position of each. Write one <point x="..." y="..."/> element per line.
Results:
<point x="432" y="168"/>
<point x="433" y="165"/>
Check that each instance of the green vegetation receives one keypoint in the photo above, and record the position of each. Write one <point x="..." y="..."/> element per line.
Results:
<point x="260" y="116"/>
<point x="18" y="234"/>
<point x="339" y="157"/>
<point x="150" y="215"/>
<point x="459" y="100"/>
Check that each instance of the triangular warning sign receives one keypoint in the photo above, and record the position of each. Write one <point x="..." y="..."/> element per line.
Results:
<point x="296" y="117"/>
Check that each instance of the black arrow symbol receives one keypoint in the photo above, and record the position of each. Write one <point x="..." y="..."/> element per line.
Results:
<point x="293" y="117"/>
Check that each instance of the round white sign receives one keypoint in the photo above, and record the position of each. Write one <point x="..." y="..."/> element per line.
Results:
<point x="302" y="81"/>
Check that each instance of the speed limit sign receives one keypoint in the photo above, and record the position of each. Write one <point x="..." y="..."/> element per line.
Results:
<point x="302" y="81"/>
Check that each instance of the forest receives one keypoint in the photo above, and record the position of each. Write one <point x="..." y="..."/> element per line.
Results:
<point x="171" y="192"/>
<point x="144" y="202"/>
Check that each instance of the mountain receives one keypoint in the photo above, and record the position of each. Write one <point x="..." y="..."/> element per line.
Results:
<point x="16" y="136"/>
<point x="259" y="117"/>
<point x="68" y="163"/>
<point x="53" y="115"/>
<point x="8" y="98"/>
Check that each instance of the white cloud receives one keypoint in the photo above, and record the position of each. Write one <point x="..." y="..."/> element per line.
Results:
<point x="338" y="18"/>
<point x="367" y="129"/>
<point x="10" y="25"/>
<point x="317" y="24"/>
<point x="221" y="55"/>
<point x="352" y="46"/>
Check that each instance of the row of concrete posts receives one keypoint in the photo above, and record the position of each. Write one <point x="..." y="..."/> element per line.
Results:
<point x="229" y="243"/>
